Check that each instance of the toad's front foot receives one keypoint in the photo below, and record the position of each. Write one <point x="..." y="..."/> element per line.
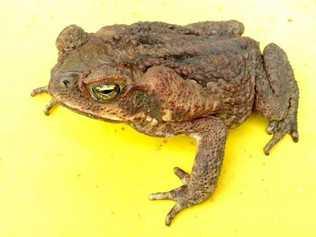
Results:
<point x="51" y="104"/>
<point x="184" y="196"/>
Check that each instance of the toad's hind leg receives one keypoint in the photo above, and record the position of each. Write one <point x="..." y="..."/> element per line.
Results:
<point x="201" y="183"/>
<point x="277" y="95"/>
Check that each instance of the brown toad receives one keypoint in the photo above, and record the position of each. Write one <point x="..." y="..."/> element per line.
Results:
<point x="164" y="79"/>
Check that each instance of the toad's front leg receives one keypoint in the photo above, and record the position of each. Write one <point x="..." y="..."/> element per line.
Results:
<point x="211" y="135"/>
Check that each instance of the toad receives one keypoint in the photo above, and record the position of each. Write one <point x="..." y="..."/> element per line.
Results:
<point x="200" y="79"/>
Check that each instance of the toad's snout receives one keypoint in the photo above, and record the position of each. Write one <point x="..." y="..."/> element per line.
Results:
<point x="64" y="81"/>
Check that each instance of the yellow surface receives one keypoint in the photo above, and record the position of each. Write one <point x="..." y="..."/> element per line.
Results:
<point x="67" y="175"/>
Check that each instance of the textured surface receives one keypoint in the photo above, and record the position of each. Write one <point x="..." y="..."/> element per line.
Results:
<point x="165" y="80"/>
<point x="57" y="169"/>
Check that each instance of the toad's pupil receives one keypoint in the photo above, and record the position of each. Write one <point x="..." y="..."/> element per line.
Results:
<point x="105" y="91"/>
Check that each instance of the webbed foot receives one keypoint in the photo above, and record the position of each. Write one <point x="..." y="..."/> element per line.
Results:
<point x="277" y="95"/>
<point x="280" y="128"/>
<point x="180" y="195"/>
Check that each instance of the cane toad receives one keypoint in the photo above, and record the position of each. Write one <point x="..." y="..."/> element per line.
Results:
<point x="163" y="79"/>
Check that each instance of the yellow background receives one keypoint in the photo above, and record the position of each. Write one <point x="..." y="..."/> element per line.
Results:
<point x="68" y="175"/>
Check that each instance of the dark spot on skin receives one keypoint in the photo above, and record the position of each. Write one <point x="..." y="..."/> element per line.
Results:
<point x="179" y="114"/>
<point x="141" y="99"/>
<point x="142" y="102"/>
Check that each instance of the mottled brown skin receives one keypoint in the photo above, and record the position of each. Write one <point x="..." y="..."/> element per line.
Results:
<point x="199" y="79"/>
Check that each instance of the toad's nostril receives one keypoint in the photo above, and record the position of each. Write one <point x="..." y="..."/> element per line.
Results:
<point x="66" y="82"/>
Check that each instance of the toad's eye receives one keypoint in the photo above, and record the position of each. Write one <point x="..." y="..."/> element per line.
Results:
<point x="105" y="92"/>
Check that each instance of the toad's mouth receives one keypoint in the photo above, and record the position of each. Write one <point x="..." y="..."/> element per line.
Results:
<point x="54" y="102"/>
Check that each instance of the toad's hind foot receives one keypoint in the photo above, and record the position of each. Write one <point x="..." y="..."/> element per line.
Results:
<point x="277" y="95"/>
<point x="178" y="194"/>
<point x="185" y="196"/>
<point x="200" y="184"/>
<point x="282" y="127"/>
